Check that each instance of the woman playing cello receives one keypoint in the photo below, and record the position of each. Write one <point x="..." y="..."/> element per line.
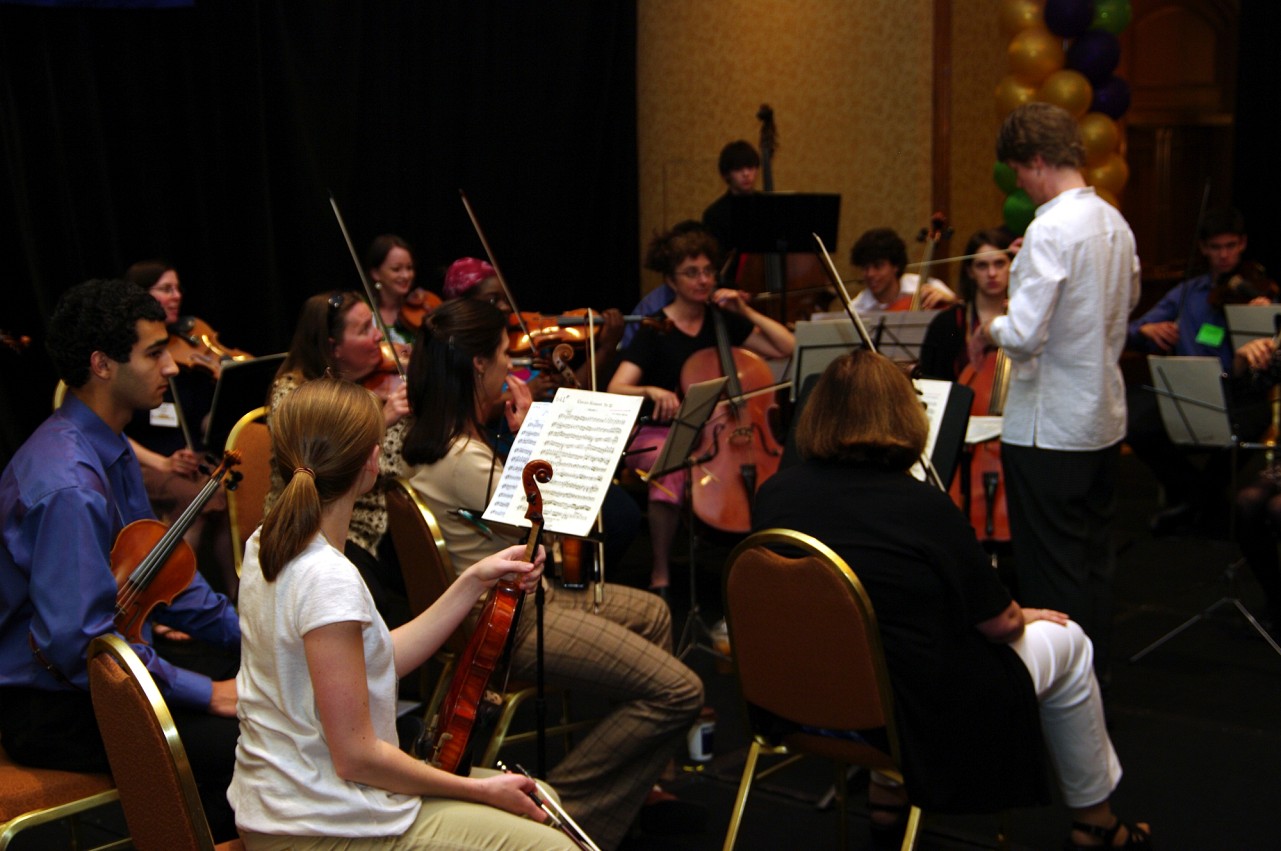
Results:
<point x="651" y="365"/>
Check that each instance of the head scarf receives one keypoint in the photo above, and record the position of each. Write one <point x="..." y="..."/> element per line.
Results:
<point x="463" y="275"/>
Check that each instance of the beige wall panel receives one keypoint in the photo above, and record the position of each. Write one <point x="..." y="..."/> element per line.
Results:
<point x="850" y="83"/>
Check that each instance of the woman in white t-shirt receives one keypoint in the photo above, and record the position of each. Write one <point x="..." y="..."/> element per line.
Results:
<point x="317" y="756"/>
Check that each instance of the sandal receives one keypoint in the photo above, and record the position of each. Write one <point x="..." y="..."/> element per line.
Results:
<point x="1137" y="837"/>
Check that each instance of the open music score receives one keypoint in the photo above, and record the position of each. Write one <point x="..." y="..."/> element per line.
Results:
<point x="583" y="435"/>
<point x="933" y="395"/>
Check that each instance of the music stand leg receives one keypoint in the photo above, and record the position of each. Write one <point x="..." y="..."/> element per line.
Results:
<point x="1230" y="598"/>
<point x="695" y="635"/>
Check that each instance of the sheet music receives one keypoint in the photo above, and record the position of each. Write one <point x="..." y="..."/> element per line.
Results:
<point x="582" y="435"/>
<point x="934" y="395"/>
<point x="983" y="427"/>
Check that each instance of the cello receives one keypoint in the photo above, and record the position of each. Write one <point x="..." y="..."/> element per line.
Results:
<point x="981" y="494"/>
<point x="737" y="450"/>
<point x="152" y="564"/>
<point x="488" y="650"/>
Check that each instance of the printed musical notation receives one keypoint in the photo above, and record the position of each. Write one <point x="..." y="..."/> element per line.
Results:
<point x="582" y="434"/>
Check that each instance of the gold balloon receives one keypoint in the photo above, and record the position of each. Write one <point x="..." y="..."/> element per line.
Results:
<point x="1111" y="175"/>
<point x="1107" y="196"/>
<point x="1011" y="93"/>
<point x="1068" y="89"/>
<point x="1101" y="137"/>
<point x="1035" y="53"/>
<point x="1018" y="15"/>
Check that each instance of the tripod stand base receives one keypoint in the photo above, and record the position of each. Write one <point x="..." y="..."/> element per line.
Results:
<point x="1203" y="615"/>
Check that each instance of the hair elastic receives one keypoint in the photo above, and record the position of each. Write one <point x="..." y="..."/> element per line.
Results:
<point x="306" y="470"/>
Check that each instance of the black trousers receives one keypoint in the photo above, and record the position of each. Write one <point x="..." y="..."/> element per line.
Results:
<point x="1062" y="506"/>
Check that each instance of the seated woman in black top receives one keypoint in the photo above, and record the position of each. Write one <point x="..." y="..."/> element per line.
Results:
<point x="984" y="285"/>
<point x="970" y="669"/>
<point x="651" y="365"/>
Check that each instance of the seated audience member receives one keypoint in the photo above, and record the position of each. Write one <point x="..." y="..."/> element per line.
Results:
<point x="978" y="681"/>
<point x="64" y="499"/>
<point x="336" y="334"/>
<point x="620" y="650"/>
<point x="881" y="255"/>
<point x="318" y="759"/>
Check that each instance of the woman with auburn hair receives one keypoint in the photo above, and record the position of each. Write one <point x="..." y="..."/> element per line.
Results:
<point x="620" y="649"/>
<point x="336" y="335"/>
<point x="979" y="682"/>
<point x="318" y="756"/>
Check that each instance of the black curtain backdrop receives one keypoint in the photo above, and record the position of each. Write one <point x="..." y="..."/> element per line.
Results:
<point x="212" y="136"/>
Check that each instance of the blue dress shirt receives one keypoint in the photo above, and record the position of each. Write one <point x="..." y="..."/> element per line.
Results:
<point x="1197" y="313"/>
<point x="64" y="498"/>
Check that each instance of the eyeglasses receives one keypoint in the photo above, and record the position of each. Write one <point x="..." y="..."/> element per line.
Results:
<point x="167" y="289"/>
<point x="694" y="273"/>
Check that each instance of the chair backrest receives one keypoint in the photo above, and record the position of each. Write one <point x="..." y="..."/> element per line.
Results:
<point x="804" y="636"/>
<point x="244" y="504"/>
<point x="157" y="790"/>
<point x="420" y="548"/>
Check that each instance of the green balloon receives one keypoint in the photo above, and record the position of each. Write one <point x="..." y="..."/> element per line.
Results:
<point x="1005" y="177"/>
<point x="1111" y="15"/>
<point x="1018" y="211"/>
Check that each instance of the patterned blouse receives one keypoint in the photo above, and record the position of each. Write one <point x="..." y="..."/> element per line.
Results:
<point x="369" y="519"/>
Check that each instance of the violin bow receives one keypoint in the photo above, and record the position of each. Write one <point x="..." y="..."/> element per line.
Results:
<point x="369" y="287"/>
<point x="835" y="278"/>
<point x="493" y="261"/>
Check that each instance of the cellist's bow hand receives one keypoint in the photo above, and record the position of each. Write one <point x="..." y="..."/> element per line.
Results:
<point x="666" y="403"/>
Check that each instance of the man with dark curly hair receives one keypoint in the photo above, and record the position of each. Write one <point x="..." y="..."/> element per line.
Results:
<point x="65" y="496"/>
<point x="881" y="255"/>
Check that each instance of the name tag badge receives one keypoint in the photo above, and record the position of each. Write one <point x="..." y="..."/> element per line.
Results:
<point x="1210" y="335"/>
<point x="166" y="416"/>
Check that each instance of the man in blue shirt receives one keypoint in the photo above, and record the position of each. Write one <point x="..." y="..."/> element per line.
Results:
<point x="1189" y="320"/>
<point x="65" y="496"/>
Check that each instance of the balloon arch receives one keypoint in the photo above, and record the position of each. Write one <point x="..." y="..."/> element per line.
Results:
<point x="1065" y="52"/>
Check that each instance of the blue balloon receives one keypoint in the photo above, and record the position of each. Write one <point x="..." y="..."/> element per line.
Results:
<point x="1095" y="54"/>
<point x="1068" y="18"/>
<point x="1112" y="98"/>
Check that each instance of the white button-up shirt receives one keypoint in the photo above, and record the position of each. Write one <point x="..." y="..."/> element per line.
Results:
<point x="1072" y="287"/>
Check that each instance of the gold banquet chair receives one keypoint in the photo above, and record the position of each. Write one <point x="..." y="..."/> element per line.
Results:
<point x="830" y="674"/>
<point x="428" y="571"/>
<point x="245" y="503"/>
<point x="30" y="797"/>
<point x="157" y="789"/>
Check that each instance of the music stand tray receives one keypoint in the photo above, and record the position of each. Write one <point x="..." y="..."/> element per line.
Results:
<point x="781" y="222"/>
<point x="1248" y="322"/>
<point x="242" y="386"/>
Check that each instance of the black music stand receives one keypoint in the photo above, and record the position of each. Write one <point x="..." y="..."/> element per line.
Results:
<point x="696" y="408"/>
<point x="1195" y="412"/>
<point x="242" y="386"/>
<point x="779" y="223"/>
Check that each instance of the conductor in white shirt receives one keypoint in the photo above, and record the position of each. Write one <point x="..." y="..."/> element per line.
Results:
<point x="1072" y="286"/>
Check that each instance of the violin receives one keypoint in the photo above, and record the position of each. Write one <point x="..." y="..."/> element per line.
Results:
<point x="737" y="450"/>
<point x="1249" y="281"/>
<point x="417" y="305"/>
<point x="488" y="650"/>
<point x="532" y="331"/>
<point x="386" y="377"/>
<point x="152" y="563"/>
<point x="195" y="345"/>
